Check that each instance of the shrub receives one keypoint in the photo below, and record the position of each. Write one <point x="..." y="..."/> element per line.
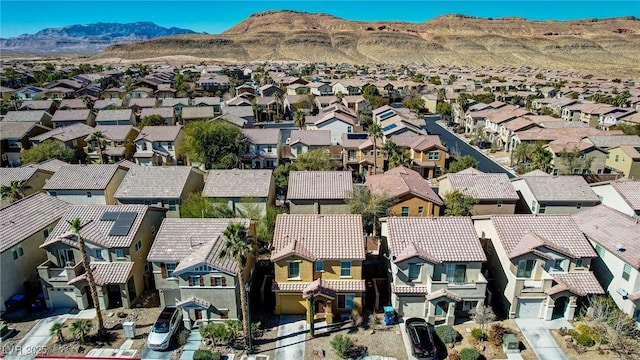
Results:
<point x="256" y="330"/>
<point x="496" y="334"/>
<point x="469" y="354"/>
<point x="584" y="340"/>
<point x="341" y="345"/>
<point x="206" y="355"/>
<point x="589" y="331"/>
<point x="477" y="334"/>
<point x="182" y="337"/>
<point x="447" y="334"/>
<point x="453" y="356"/>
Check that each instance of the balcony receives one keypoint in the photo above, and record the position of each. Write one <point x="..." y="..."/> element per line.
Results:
<point x="50" y="272"/>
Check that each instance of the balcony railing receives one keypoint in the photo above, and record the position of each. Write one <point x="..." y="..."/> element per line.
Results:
<point x="51" y="272"/>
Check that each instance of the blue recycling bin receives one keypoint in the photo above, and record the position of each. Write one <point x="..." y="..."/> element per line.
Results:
<point x="389" y="315"/>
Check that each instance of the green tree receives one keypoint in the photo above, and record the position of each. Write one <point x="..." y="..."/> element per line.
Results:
<point x="267" y="224"/>
<point x="299" y="119"/>
<point x="401" y="157"/>
<point x="15" y="190"/>
<point x="375" y="132"/>
<point x="443" y="109"/>
<point x="462" y="163"/>
<point x="568" y="160"/>
<point x="152" y="120"/>
<point x="49" y="149"/>
<point x="80" y="328"/>
<point x="457" y="203"/>
<point x="56" y="329"/>
<point x="372" y="207"/>
<point x="414" y="103"/>
<point x="196" y="206"/>
<point x="239" y="248"/>
<point x="281" y="178"/>
<point x="217" y="144"/>
<point x="627" y="129"/>
<point x="541" y="159"/>
<point x="99" y="138"/>
<point x="316" y="160"/>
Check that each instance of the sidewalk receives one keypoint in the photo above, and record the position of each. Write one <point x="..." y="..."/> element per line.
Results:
<point x="193" y="344"/>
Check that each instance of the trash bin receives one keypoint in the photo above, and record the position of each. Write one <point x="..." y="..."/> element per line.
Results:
<point x="389" y="315"/>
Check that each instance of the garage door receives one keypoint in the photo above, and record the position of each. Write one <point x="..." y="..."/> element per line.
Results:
<point x="412" y="306"/>
<point x="529" y="308"/>
<point x="292" y="304"/>
<point x="62" y="299"/>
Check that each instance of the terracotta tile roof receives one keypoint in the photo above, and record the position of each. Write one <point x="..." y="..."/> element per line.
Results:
<point x="82" y="177"/>
<point x="71" y="115"/>
<point x="335" y="116"/>
<point x="36" y="104"/>
<point x="337" y="285"/>
<point x="484" y="186"/>
<point x="101" y="104"/>
<point x="318" y="287"/>
<point x="190" y="302"/>
<point x="7" y="175"/>
<point x="113" y="115"/>
<point x="126" y="164"/>
<point x="27" y="216"/>
<point x="115" y="132"/>
<point x="610" y="229"/>
<point x="262" y="136"/>
<point x="17" y="130"/>
<point x="609" y="141"/>
<point x="159" y="133"/>
<point x="579" y="282"/>
<point x="400" y="181"/>
<point x="238" y="183"/>
<point x="190" y="242"/>
<point x="407" y="289"/>
<point x="170" y="102"/>
<point x="326" y="237"/>
<point x="532" y="243"/>
<point x="67" y="133"/>
<point x="559" y="230"/>
<point x="319" y="185"/>
<point x="630" y="191"/>
<point x="164" y="112"/>
<point x="154" y="182"/>
<point x="52" y="165"/>
<point x="439" y="239"/>
<point x="106" y="273"/>
<point x="29" y="116"/>
<point x="444" y="293"/>
<point x="143" y="102"/>
<point x="198" y="112"/>
<point x="310" y="137"/>
<point x="559" y="188"/>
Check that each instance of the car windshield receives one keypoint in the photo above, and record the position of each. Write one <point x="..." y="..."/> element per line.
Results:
<point x="161" y="327"/>
<point x="423" y="335"/>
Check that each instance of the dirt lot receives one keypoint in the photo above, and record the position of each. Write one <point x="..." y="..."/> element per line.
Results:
<point x="490" y="351"/>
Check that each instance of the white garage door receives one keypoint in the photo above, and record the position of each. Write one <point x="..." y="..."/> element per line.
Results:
<point x="62" y="299"/>
<point x="529" y="308"/>
<point x="412" y="306"/>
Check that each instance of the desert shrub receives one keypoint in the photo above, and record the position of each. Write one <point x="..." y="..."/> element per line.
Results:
<point x="573" y="332"/>
<point x="206" y="355"/>
<point x="453" y="356"/>
<point x="584" y="340"/>
<point x="182" y="337"/>
<point x="356" y="318"/>
<point x="447" y="334"/>
<point x="341" y="345"/>
<point x="563" y="331"/>
<point x="496" y="334"/>
<point x="256" y="330"/>
<point x="477" y="334"/>
<point x="589" y="331"/>
<point x="469" y="354"/>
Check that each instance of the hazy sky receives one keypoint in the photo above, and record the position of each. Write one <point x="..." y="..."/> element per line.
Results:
<point x="24" y="16"/>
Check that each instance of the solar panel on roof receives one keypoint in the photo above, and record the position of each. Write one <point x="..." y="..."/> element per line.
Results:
<point x="389" y="127"/>
<point x="109" y="216"/>
<point x="387" y="114"/>
<point x="122" y="224"/>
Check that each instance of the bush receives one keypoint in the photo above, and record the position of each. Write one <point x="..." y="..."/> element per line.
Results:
<point x="206" y="355"/>
<point x="182" y="337"/>
<point x="496" y="334"/>
<point x="453" y="356"/>
<point x="447" y="334"/>
<point x="477" y="334"/>
<point x="469" y="354"/>
<point x="341" y="345"/>
<point x="584" y="340"/>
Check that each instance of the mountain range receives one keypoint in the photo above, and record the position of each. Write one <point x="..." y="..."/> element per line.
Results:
<point x="89" y="38"/>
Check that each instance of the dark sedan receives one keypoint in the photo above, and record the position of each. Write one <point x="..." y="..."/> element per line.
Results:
<point x="422" y="339"/>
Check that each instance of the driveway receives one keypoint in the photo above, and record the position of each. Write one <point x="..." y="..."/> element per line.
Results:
<point x="540" y="339"/>
<point x="292" y="334"/>
<point x="37" y="338"/>
<point x="407" y="342"/>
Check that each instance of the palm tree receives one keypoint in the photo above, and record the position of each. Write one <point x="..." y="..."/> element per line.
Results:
<point x="76" y="225"/>
<point x="388" y="149"/>
<point x="238" y="246"/>
<point x="375" y="131"/>
<point x="98" y="137"/>
<point x="56" y="329"/>
<point x="299" y="119"/>
<point x="15" y="190"/>
<point x="80" y="328"/>
<point x="400" y="158"/>
<point x="463" y="102"/>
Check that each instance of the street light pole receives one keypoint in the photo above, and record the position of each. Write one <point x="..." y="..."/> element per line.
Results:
<point x="250" y="340"/>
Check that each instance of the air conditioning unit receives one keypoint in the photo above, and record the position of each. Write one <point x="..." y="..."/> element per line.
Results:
<point x="622" y="292"/>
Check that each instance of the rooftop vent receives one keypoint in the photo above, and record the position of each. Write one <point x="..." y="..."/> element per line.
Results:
<point x="620" y="247"/>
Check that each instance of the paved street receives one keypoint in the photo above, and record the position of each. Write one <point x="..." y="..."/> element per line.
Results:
<point x="540" y="339"/>
<point x="292" y="333"/>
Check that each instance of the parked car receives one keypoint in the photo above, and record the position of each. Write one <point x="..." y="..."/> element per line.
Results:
<point x="164" y="328"/>
<point x="15" y="302"/>
<point x="422" y="339"/>
<point x="484" y="144"/>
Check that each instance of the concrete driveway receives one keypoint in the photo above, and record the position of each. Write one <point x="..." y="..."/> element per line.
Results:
<point x="407" y="342"/>
<point x="292" y="336"/>
<point x="37" y="338"/>
<point x="540" y="339"/>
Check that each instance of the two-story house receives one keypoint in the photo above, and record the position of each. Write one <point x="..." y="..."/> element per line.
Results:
<point x="166" y="113"/>
<point x="156" y="145"/>
<point x="302" y="141"/>
<point x="264" y="148"/>
<point x="86" y="184"/>
<point x="435" y="267"/>
<point x="411" y="193"/>
<point x="33" y="179"/>
<point x="67" y="117"/>
<point x="625" y="159"/>
<point x="336" y="122"/>
<point x="622" y="195"/>
<point x="428" y="155"/>
<point x="117" y="239"/>
<point x="615" y="238"/>
<point x="33" y="116"/>
<point x="190" y="273"/>
<point x="245" y="191"/>
<point x="161" y="186"/>
<point x="14" y="138"/>
<point x="318" y="266"/>
<point x="116" y="117"/>
<point x="72" y="136"/>
<point x="197" y="113"/>
<point x="539" y="266"/>
<point x="546" y="194"/>
<point x="25" y="225"/>
<point x="117" y="143"/>
<point x="319" y="192"/>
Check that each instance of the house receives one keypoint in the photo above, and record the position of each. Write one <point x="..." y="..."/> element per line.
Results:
<point x="494" y="192"/>
<point x="354" y="158"/>
<point x="113" y="93"/>
<point x="117" y="239"/>
<point x="190" y="273"/>
<point x="435" y="267"/>
<point x="72" y="136"/>
<point x="59" y="93"/>
<point x="319" y="192"/>
<point x="542" y="193"/>
<point x="51" y="165"/>
<point x="165" y="92"/>
<point x="14" y="138"/>
<point x="166" y="113"/>
<point x="73" y="104"/>
<point x="428" y="155"/>
<point x="303" y="141"/>
<point x="573" y="156"/>
<point x="160" y="186"/>
<point x="49" y="106"/>
<point x="197" y="113"/>
<point x="33" y="177"/>
<point x="140" y="93"/>
<point x="615" y="238"/>
<point x="539" y="265"/>
<point x="25" y="225"/>
<point x="137" y="104"/>
<point x="107" y="104"/>
<point x="177" y="104"/>
<point x="336" y="122"/>
<point x="156" y="145"/>
<point x="116" y="117"/>
<point x="29" y="93"/>
<point x="117" y="143"/>
<point x="625" y="159"/>
<point x="208" y="101"/>
<point x="621" y="194"/>
<point x="270" y="90"/>
<point x="264" y="148"/>
<point x="320" y="89"/>
<point x="34" y="116"/>
<point x="93" y="184"/>
<point x="243" y="190"/>
<point x="67" y="117"/>
<point x="318" y="266"/>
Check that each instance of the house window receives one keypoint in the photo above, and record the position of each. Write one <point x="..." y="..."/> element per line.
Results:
<point x="579" y="206"/>
<point x="405" y="211"/>
<point x="98" y="253"/>
<point x="557" y="264"/>
<point x="294" y="269"/>
<point x="626" y="272"/>
<point x="172" y="205"/>
<point x="600" y="251"/>
<point x="438" y="170"/>
<point x="499" y="203"/>
<point x="345" y="268"/>
<point x="169" y="146"/>
<point x="468" y="305"/>
<point x="224" y="314"/>
<point x="14" y="253"/>
<point x="89" y="194"/>
<point x="525" y="268"/>
<point x="319" y="266"/>
<point x="53" y="193"/>
<point x="414" y="271"/>
<point x="119" y="254"/>
<point x="345" y="301"/>
<point x="195" y="280"/>
<point x="217" y="281"/>
<point x="599" y="171"/>
<point x="138" y="245"/>
<point x="434" y="155"/>
<point x="533" y="206"/>
<point x="543" y="208"/>
<point x="579" y="263"/>
<point x="456" y="273"/>
<point x="46" y="233"/>
<point x="171" y="267"/>
<point x="420" y="210"/>
<point x="350" y="129"/>
<point x="144" y="146"/>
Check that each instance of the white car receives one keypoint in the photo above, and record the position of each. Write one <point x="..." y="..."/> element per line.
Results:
<point x="164" y="328"/>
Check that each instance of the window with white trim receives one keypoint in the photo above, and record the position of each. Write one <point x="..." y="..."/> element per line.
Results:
<point x="345" y="268"/>
<point x="171" y="267"/>
<point x="434" y="155"/>
<point x="414" y="271"/>
<point x="626" y="272"/>
<point x="468" y="305"/>
<point x="120" y="254"/>
<point x="138" y="245"/>
<point x="319" y="265"/>
<point x="294" y="269"/>
<point x="345" y="301"/>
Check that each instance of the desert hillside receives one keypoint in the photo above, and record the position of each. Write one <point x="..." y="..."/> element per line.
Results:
<point x="606" y="46"/>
